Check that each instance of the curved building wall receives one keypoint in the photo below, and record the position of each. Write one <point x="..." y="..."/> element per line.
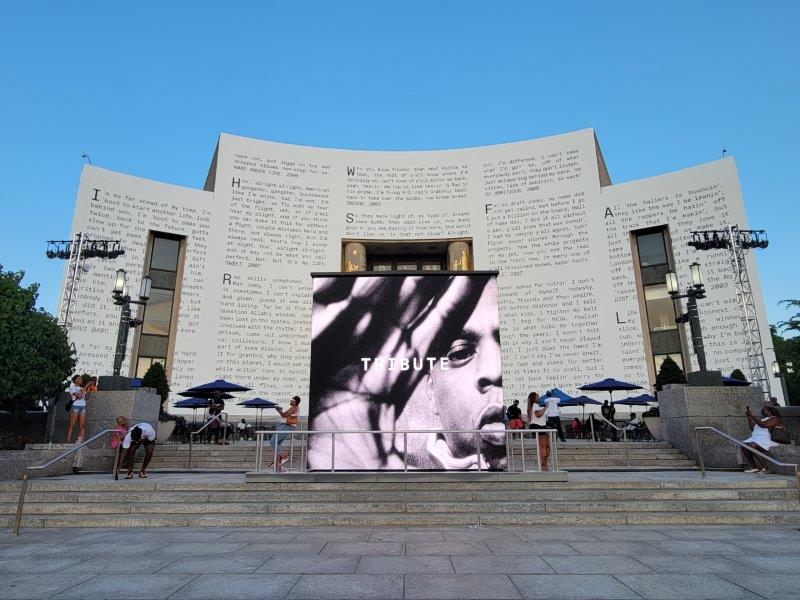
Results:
<point x="535" y="210"/>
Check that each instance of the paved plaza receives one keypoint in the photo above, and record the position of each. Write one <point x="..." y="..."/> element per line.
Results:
<point x="457" y="562"/>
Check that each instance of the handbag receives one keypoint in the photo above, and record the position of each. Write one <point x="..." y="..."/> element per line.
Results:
<point x="779" y="435"/>
<point x="68" y="405"/>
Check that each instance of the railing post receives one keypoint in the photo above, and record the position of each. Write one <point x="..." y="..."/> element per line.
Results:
<point x="333" y="451"/>
<point x="700" y="453"/>
<point x="23" y="490"/>
<point x="191" y="435"/>
<point x="275" y="452"/>
<point x="591" y="426"/>
<point x="478" y="449"/>
<point x="405" y="451"/>
<point x="522" y="443"/>
<point x="625" y="446"/>
<point x="116" y="461"/>
<point x="554" y="454"/>
<point x="291" y="448"/>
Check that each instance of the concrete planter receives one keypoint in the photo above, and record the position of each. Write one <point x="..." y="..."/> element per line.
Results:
<point x="164" y="431"/>
<point x="654" y="426"/>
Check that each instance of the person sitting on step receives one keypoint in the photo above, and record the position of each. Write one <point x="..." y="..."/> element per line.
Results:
<point x="761" y="439"/>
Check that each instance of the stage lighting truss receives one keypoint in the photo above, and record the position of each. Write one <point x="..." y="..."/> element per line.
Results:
<point x="720" y="239"/>
<point x="77" y="251"/>
<point x="105" y="249"/>
<point x="737" y="242"/>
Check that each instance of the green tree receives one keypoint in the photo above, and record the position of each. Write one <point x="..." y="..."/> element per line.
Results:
<point x="737" y="374"/>
<point x="793" y="324"/>
<point x="156" y="377"/>
<point x="787" y="350"/>
<point x="35" y="357"/>
<point x="669" y="372"/>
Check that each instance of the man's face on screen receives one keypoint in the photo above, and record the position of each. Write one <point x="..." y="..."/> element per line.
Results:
<point x="469" y="393"/>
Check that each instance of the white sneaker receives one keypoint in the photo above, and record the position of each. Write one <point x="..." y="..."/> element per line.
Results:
<point x="751" y="470"/>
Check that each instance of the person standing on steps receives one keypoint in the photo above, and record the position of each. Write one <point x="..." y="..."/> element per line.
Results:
<point x="77" y="409"/>
<point x="553" y="414"/>
<point x="537" y="420"/>
<point x="276" y="439"/>
<point x="141" y="433"/>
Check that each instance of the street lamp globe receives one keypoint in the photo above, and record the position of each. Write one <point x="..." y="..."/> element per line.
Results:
<point x="672" y="282"/>
<point x="697" y="275"/>
<point x="144" y="288"/>
<point x="119" y="282"/>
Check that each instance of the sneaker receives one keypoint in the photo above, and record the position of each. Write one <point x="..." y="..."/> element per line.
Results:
<point x="751" y="470"/>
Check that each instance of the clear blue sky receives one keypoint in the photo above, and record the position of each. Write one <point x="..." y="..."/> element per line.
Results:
<point x="145" y="88"/>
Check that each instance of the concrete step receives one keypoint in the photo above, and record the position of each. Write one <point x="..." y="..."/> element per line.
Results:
<point x="377" y="520"/>
<point x="555" y="495"/>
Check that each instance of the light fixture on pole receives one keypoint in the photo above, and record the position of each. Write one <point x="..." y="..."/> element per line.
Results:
<point x="693" y="293"/>
<point x="121" y="298"/>
<point x="781" y="373"/>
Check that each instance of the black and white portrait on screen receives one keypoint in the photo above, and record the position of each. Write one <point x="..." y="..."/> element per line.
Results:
<point x="393" y="352"/>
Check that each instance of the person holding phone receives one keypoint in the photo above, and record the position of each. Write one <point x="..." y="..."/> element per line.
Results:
<point x="761" y="439"/>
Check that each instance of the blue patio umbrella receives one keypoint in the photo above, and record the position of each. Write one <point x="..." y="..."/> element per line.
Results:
<point x="218" y="385"/>
<point x="641" y="400"/>
<point x="609" y="385"/>
<point x="734" y="382"/>
<point x="259" y="403"/>
<point x="193" y="403"/>
<point x="204" y="396"/>
<point x="581" y="401"/>
<point x="560" y="394"/>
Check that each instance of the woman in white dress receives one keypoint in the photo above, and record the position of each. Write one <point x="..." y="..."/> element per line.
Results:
<point x="761" y="439"/>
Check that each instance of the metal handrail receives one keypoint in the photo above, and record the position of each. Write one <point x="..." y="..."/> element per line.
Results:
<point x="209" y="422"/>
<point x="624" y="439"/>
<point x="291" y="433"/>
<point x="25" y="476"/>
<point x="744" y="446"/>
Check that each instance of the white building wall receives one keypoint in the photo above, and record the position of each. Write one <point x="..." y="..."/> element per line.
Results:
<point x="535" y="211"/>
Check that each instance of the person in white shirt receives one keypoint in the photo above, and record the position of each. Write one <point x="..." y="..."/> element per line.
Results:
<point x="633" y="423"/>
<point x="537" y="420"/>
<point x="553" y="414"/>
<point x="141" y="433"/>
<point x="77" y="411"/>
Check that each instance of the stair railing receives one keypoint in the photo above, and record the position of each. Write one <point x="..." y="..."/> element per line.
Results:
<point x="26" y="475"/>
<point x="624" y="438"/>
<point x="289" y="435"/>
<point x="223" y="422"/>
<point x="745" y="448"/>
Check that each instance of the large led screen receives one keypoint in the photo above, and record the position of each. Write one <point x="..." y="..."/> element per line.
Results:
<point x="394" y="352"/>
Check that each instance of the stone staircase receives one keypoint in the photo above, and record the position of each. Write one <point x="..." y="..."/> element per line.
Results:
<point x="226" y="500"/>
<point x="571" y="456"/>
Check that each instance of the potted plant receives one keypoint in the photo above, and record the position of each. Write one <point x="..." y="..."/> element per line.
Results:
<point x="156" y="377"/>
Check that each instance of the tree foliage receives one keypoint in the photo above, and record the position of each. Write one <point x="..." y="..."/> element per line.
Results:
<point x="156" y="377"/>
<point x="788" y="350"/>
<point x="669" y="372"/>
<point x="35" y="357"/>
<point x="793" y="324"/>
<point x="737" y="374"/>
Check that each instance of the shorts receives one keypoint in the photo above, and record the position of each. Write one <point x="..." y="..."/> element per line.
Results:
<point x="78" y="409"/>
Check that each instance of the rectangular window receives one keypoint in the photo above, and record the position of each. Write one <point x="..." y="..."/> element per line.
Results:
<point x="144" y="363"/>
<point x="660" y="312"/>
<point x="165" y="254"/>
<point x="157" y="312"/>
<point x="652" y="250"/>
<point x="659" y="360"/>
